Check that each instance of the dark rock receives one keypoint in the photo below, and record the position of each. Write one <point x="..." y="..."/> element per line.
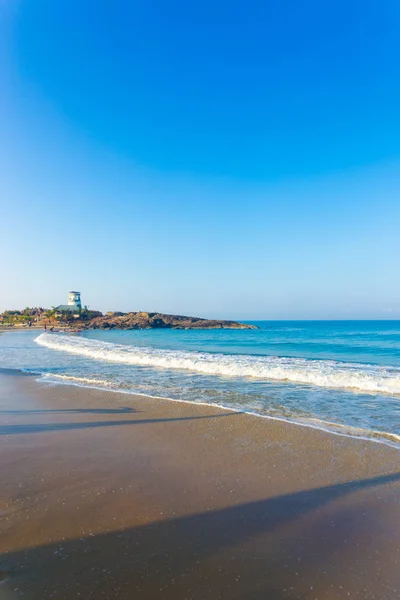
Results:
<point x="144" y="320"/>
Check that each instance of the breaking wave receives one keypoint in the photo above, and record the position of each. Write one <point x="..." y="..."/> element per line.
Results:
<point x="322" y="373"/>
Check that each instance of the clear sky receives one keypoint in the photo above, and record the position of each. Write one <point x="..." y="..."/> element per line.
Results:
<point x="227" y="159"/>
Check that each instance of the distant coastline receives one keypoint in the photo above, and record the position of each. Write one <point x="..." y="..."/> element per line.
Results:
<point x="38" y="318"/>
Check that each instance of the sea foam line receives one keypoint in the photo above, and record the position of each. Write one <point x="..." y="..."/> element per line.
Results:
<point x="321" y="373"/>
<point x="72" y="379"/>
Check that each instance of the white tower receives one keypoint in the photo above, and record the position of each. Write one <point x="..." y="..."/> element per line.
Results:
<point x="74" y="299"/>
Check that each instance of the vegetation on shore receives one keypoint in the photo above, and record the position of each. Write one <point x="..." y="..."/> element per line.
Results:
<point x="46" y="316"/>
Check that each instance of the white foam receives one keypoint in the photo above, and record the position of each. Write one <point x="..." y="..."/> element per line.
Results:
<point x="321" y="373"/>
<point x="70" y="378"/>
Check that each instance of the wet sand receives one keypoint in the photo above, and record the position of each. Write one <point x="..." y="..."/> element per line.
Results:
<point x="107" y="495"/>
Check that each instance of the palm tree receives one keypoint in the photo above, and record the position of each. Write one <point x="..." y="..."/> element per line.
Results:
<point x="50" y="314"/>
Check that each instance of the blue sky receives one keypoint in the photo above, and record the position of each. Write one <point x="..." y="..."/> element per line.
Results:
<point x="235" y="159"/>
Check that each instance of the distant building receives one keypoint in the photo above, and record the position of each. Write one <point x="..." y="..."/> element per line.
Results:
<point x="74" y="299"/>
<point x="74" y="304"/>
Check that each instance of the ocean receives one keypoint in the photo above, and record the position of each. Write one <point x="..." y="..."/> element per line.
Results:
<point x="342" y="376"/>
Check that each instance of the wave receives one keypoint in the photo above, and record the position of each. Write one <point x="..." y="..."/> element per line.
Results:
<point x="321" y="373"/>
<point x="284" y="329"/>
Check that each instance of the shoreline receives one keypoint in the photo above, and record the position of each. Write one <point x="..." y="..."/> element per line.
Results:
<point x="120" y="500"/>
<point x="329" y="430"/>
<point x="386" y="438"/>
<point x="378" y="437"/>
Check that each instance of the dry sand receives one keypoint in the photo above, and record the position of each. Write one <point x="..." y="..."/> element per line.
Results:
<point x="107" y="495"/>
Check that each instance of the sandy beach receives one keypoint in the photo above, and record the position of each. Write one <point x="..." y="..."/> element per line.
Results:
<point x="109" y="495"/>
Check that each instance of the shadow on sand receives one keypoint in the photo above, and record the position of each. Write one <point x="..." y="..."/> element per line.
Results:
<point x="94" y="411"/>
<point x="43" y="427"/>
<point x="306" y="545"/>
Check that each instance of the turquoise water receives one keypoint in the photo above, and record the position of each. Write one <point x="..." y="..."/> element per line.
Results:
<point x="343" y="376"/>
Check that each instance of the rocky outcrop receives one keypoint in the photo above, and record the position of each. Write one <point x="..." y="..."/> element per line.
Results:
<point x="145" y="320"/>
